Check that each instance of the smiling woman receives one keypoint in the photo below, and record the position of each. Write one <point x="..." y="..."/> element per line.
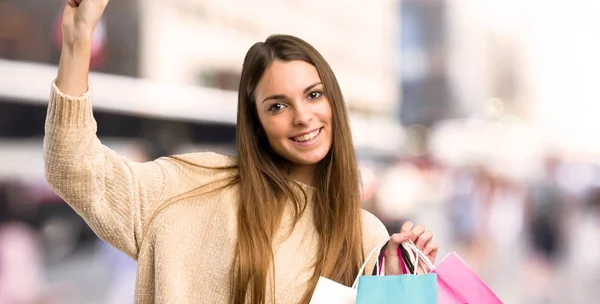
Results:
<point x="209" y="228"/>
<point x="290" y="108"/>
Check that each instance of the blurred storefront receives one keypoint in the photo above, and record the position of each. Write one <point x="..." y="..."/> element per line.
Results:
<point x="31" y="31"/>
<point x="426" y="97"/>
<point x="204" y="42"/>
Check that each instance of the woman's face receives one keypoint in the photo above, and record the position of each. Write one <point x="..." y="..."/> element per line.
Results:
<point x="294" y="112"/>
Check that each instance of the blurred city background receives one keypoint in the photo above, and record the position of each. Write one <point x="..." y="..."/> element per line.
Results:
<point x="475" y="118"/>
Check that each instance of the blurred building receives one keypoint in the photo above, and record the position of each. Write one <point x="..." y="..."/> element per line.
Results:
<point x="424" y="62"/>
<point x="204" y="42"/>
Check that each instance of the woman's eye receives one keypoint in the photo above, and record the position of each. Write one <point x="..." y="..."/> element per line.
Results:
<point x="314" y="95"/>
<point x="276" y="107"/>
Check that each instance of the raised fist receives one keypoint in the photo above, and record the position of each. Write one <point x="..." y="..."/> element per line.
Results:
<point x="80" y="18"/>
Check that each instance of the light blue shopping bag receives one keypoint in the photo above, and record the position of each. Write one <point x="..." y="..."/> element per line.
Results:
<point x="406" y="288"/>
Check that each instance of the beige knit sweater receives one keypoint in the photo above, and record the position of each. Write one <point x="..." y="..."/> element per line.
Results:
<point x="185" y="253"/>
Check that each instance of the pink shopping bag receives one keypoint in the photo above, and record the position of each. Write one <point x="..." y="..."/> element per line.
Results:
<point x="458" y="283"/>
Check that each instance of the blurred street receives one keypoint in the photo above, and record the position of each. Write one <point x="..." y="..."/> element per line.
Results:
<point x="474" y="118"/>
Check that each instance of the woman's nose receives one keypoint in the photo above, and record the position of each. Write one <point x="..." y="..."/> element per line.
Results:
<point x="302" y="115"/>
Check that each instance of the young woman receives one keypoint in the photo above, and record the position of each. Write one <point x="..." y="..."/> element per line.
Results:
<point x="208" y="228"/>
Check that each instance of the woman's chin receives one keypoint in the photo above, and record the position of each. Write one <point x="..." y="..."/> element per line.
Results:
<point x="307" y="159"/>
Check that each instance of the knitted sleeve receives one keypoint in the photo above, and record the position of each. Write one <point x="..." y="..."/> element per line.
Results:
<point x="112" y="194"/>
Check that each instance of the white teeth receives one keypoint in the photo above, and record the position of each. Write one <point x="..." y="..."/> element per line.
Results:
<point x="307" y="137"/>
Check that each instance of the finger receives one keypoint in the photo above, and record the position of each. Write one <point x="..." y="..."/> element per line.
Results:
<point x="431" y="250"/>
<point x="392" y="260"/>
<point x="399" y="238"/>
<point x="69" y="10"/>
<point x="424" y="239"/>
<point x="407" y="226"/>
<point x="416" y="232"/>
<point x="392" y="246"/>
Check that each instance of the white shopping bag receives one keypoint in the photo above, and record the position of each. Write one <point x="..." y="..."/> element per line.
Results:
<point x="331" y="292"/>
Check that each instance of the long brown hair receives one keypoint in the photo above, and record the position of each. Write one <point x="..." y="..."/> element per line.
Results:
<point x="264" y="187"/>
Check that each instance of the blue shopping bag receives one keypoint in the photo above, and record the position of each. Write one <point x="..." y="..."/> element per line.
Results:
<point x="406" y="288"/>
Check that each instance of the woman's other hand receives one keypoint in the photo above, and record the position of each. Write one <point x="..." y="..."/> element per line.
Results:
<point x="421" y="237"/>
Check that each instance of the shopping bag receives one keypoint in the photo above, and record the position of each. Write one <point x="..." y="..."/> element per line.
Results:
<point x="406" y="288"/>
<point x="458" y="283"/>
<point x="328" y="291"/>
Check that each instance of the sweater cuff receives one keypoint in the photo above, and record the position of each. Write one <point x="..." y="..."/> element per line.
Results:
<point x="68" y="111"/>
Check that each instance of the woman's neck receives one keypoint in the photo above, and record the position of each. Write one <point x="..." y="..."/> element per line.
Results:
<point x="303" y="173"/>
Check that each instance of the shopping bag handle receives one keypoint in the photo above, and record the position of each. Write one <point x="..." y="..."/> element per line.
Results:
<point x="420" y="256"/>
<point x="407" y="261"/>
<point x="414" y="258"/>
<point x="367" y="258"/>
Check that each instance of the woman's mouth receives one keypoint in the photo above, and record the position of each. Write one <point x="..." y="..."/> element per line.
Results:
<point x="307" y="137"/>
